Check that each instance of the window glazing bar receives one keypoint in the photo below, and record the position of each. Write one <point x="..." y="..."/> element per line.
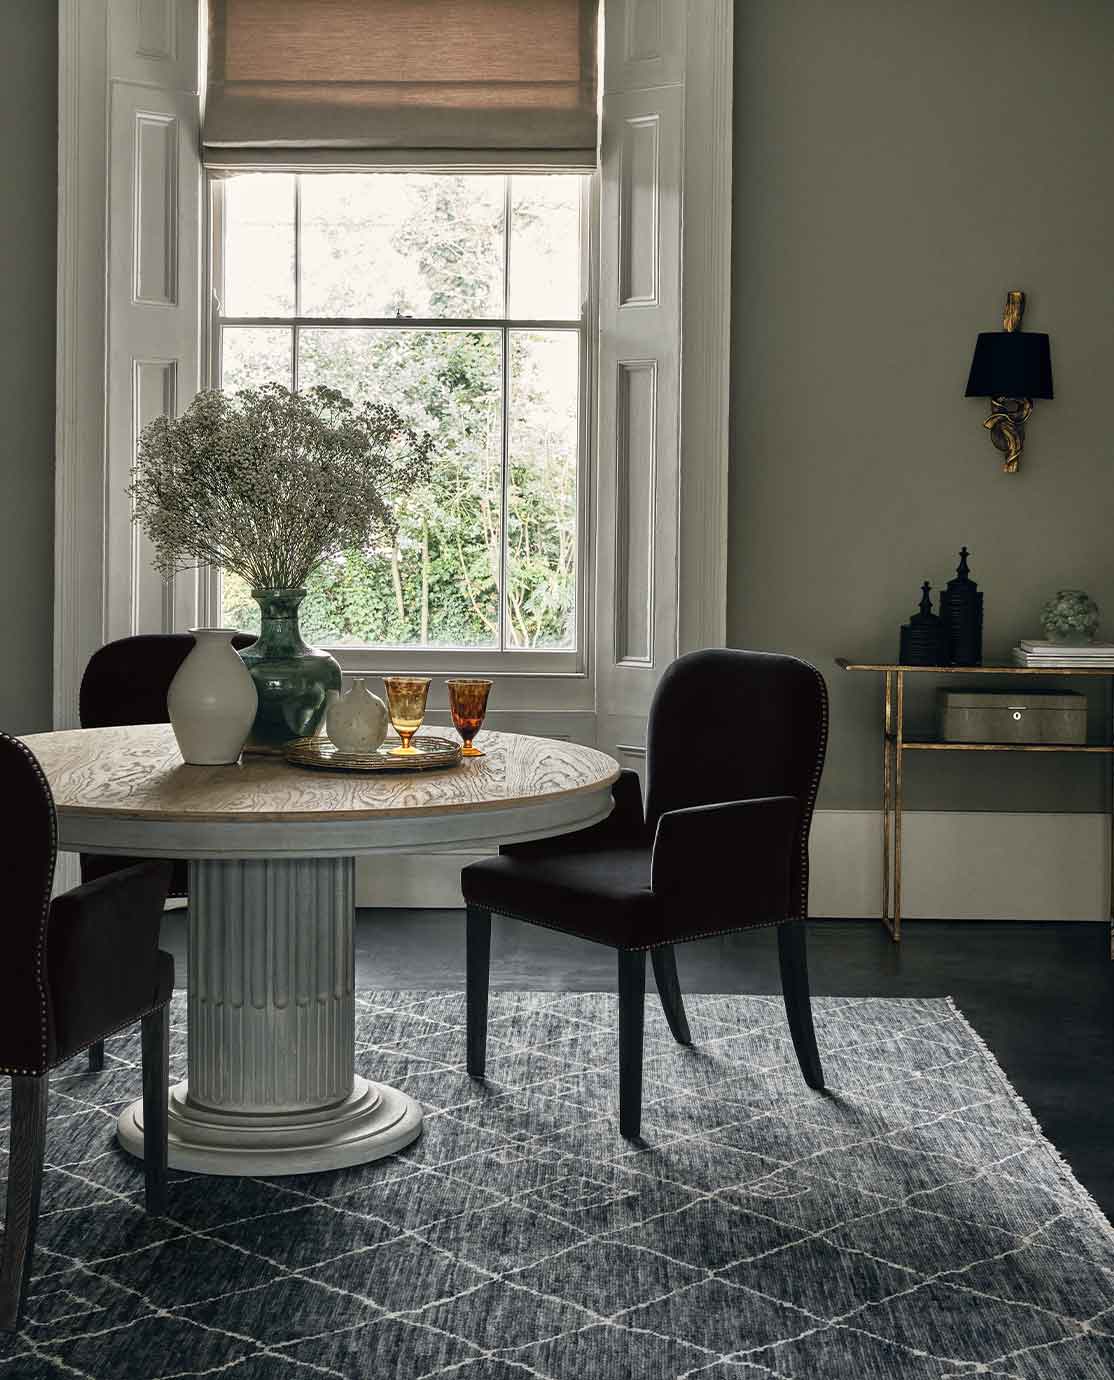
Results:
<point x="411" y="323"/>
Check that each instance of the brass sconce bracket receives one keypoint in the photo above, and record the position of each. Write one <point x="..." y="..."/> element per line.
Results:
<point x="1006" y="425"/>
<point x="1011" y="367"/>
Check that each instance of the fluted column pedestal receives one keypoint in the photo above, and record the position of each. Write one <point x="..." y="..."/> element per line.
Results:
<point x="271" y="1086"/>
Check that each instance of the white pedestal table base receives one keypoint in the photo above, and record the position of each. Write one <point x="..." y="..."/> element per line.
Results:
<point x="272" y="1008"/>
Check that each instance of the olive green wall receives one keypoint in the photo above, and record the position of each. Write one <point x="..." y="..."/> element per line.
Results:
<point x="28" y="191"/>
<point x="898" y="167"/>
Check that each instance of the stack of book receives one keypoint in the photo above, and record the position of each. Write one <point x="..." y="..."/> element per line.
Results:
<point x="1093" y="654"/>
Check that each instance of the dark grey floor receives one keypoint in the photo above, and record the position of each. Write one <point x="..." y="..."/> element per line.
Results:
<point x="1041" y="995"/>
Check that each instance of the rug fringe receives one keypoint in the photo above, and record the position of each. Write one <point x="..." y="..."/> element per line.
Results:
<point x="1086" y="1200"/>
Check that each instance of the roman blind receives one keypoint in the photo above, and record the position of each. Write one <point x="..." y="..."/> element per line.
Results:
<point x="425" y="81"/>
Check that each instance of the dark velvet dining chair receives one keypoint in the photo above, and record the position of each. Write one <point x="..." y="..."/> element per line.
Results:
<point x="734" y="750"/>
<point x="126" y="682"/>
<point x="74" y="970"/>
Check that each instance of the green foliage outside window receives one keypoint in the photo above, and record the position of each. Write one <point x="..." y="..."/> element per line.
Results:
<point x="438" y="584"/>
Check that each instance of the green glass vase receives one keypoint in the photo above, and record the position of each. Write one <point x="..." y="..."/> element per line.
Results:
<point x="293" y="681"/>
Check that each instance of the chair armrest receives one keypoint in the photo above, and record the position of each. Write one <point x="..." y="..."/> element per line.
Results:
<point x="102" y="954"/>
<point x="625" y="826"/>
<point x="734" y="856"/>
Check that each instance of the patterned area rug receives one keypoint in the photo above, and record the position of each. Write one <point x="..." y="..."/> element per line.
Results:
<point x="912" y="1223"/>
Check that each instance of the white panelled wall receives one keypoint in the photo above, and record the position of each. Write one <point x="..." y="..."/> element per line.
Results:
<point x="665" y="345"/>
<point x="129" y="291"/>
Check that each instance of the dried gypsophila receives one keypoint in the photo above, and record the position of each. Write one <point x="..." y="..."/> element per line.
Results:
<point x="267" y="483"/>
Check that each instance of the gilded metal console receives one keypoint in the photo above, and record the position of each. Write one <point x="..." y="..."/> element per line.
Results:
<point x="896" y="743"/>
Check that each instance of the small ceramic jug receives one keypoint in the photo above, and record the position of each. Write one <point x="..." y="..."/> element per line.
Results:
<point x="356" y="721"/>
<point x="212" y="700"/>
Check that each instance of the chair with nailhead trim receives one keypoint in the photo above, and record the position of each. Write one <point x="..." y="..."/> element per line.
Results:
<point x="126" y="682"/>
<point x="735" y="746"/>
<point x="75" y="969"/>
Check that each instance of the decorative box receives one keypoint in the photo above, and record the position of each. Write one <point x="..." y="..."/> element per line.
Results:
<point x="1011" y="716"/>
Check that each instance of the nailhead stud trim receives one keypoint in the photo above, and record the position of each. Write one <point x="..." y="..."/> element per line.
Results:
<point x="40" y="939"/>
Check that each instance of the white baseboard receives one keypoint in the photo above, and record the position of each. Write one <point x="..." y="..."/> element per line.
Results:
<point x="957" y="866"/>
<point x="966" y="865"/>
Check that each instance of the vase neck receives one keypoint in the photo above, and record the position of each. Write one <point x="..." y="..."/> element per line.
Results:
<point x="279" y="634"/>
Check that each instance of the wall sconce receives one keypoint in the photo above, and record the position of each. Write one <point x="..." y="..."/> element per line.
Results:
<point x="1011" y="367"/>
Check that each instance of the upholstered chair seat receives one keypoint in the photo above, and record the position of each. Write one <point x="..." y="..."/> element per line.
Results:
<point x="101" y="971"/>
<point x="75" y="969"/>
<point x="735" y="748"/>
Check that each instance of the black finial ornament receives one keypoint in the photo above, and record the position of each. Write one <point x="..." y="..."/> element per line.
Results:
<point x="924" y="639"/>
<point x="961" y="611"/>
<point x="926" y="603"/>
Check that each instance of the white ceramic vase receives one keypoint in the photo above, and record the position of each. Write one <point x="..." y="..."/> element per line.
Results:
<point x="212" y="700"/>
<point x="356" y="721"/>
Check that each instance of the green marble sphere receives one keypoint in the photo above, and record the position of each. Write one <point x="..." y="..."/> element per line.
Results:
<point x="1071" y="616"/>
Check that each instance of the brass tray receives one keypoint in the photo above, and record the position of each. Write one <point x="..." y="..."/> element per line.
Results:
<point x="324" y="756"/>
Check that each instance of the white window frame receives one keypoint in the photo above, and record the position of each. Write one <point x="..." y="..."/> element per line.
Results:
<point x="119" y="57"/>
<point x="567" y="664"/>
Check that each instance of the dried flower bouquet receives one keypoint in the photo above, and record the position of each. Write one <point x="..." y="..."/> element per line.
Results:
<point x="267" y="483"/>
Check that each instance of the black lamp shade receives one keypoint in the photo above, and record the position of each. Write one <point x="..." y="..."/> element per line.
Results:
<point x="1011" y="364"/>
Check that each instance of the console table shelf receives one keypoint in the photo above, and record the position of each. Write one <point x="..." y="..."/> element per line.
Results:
<point x="938" y="745"/>
<point x="896" y="743"/>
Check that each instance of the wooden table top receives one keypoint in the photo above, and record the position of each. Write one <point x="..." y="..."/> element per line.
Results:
<point x="138" y="773"/>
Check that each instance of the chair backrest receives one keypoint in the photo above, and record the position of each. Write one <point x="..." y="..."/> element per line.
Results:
<point x="126" y="681"/>
<point x="26" y="876"/>
<point x="733" y="725"/>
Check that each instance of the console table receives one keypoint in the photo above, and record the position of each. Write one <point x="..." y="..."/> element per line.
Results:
<point x="896" y="743"/>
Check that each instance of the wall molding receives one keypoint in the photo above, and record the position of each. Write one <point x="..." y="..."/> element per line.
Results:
<point x="1000" y="867"/>
<point x="706" y="326"/>
<point x="79" y="491"/>
<point x="665" y="304"/>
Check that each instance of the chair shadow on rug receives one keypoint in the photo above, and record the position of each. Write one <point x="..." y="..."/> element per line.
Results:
<point x="721" y="846"/>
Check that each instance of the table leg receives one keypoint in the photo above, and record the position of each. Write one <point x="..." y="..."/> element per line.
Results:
<point x="271" y="1086"/>
<point x="899" y="740"/>
<point x="887" y="794"/>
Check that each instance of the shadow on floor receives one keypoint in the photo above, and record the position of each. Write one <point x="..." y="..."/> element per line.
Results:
<point x="1040" y="995"/>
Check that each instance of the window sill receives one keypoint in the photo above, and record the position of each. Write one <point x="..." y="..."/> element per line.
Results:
<point x="451" y="661"/>
<point x="538" y="683"/>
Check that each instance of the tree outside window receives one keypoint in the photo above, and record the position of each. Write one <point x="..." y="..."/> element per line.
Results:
<point x="457" y="299"/>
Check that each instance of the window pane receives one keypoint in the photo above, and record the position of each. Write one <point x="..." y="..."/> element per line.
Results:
<point x="259" y="245"/>
<point x="387" y="244"/>
<point x="439" y="585"/>
<point x="251" y="355"/>
<point x="238" y="609"/>
<point x="541" y="498"/>
<point x="545" y="247"/>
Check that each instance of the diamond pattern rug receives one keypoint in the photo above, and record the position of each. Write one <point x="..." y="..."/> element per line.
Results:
<point x="913" y="1222"/>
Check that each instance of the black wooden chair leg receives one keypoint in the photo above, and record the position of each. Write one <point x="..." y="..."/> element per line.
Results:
<point x="798" y="1005"/>
<point x="478" y="974"/>
<point x="25" y="1181"/>
<point x="156" y="1078"/>
<point x="632" y="1012"/>
<point x="664" y="960"/>
<point x="96" y="1056"/>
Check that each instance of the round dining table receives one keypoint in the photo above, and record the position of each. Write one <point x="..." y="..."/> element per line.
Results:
<point x="271" y="1086"/>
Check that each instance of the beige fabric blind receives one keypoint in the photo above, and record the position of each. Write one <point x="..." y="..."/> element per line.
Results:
<point x="441" y="81"/>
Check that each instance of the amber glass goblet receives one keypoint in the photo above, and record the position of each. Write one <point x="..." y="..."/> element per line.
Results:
<point x="468" y="705"/>
<point x="406" y="697"/>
